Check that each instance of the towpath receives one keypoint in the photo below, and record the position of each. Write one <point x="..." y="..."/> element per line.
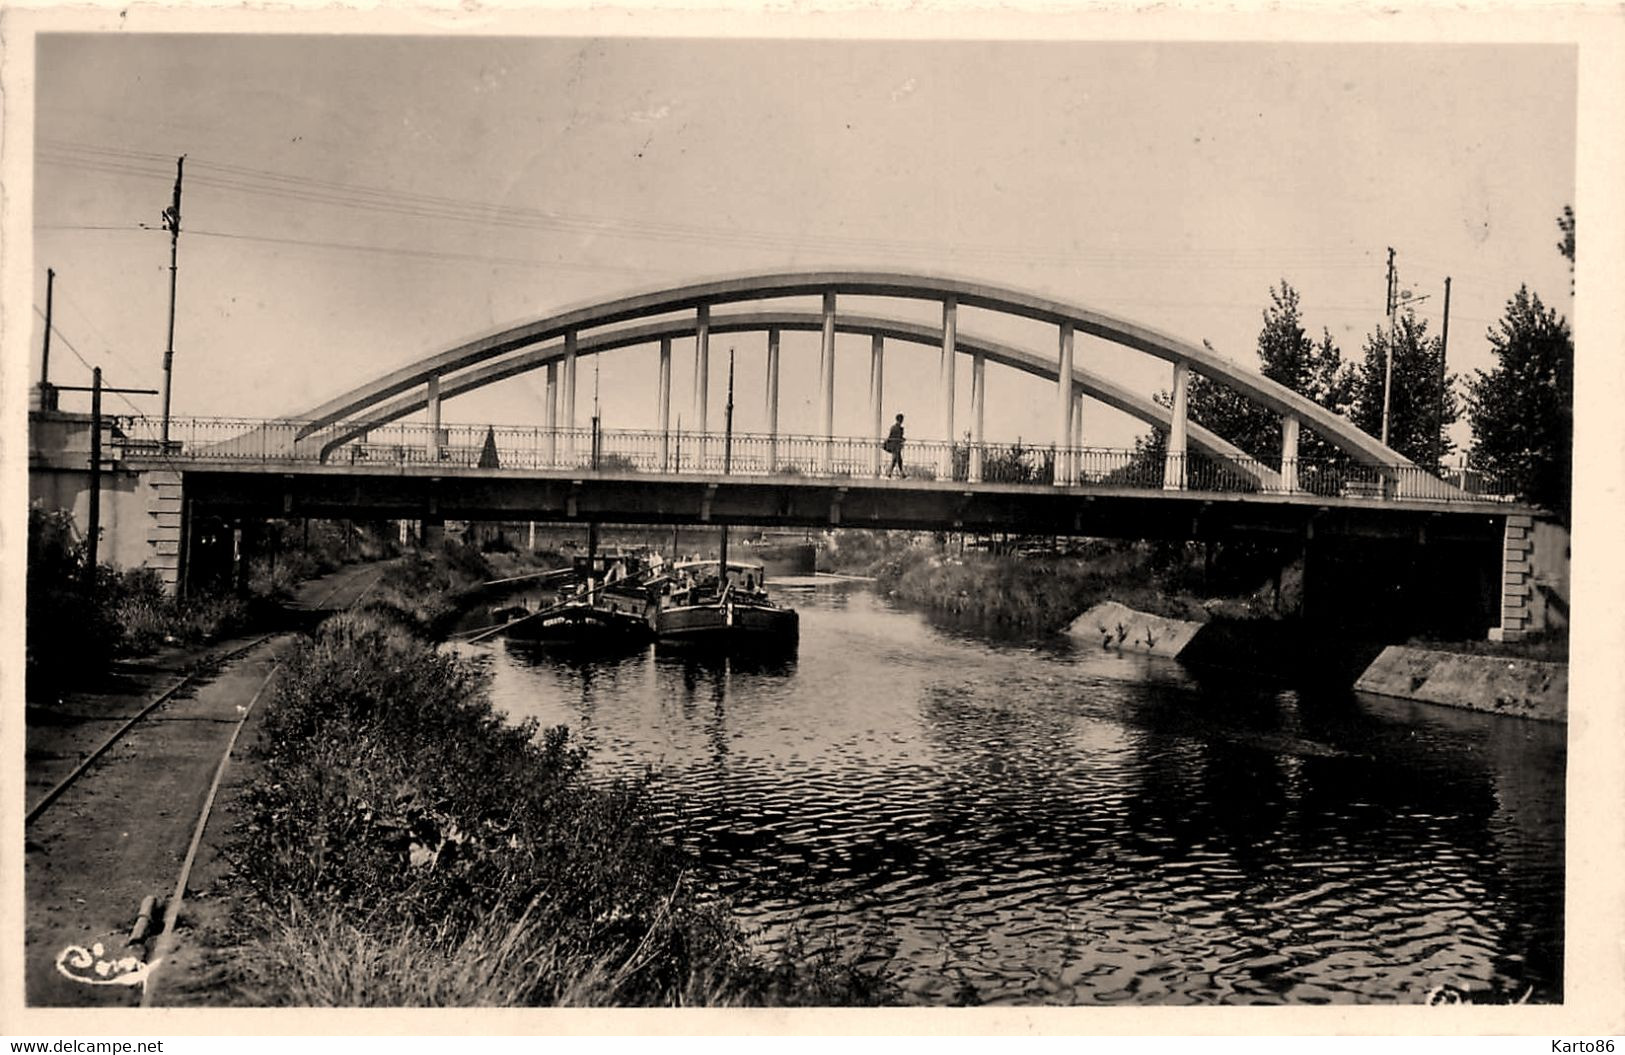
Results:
<point x="120" y="832"/>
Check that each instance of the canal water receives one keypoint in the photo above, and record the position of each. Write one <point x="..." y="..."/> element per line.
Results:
<point x="1052" y="822"/>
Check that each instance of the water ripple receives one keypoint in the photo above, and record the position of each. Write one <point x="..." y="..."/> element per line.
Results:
<point x="1074" y="826"/>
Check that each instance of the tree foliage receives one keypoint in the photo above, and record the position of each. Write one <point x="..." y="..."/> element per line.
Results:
<point x="1287" y="355"/>
<point x="1522" y="411"/>
<point x="1565" y="223"/>
<point x="1422" y="399"/>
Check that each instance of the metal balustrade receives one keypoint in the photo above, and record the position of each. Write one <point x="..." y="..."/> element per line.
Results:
<point x="518" y="448"/>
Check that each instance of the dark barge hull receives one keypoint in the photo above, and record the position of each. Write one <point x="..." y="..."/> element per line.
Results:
<point x="583" y="625"/>
<point x="728" y="626"/>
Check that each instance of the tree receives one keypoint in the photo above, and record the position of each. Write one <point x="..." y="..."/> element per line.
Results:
<point x="1286" y="355"/>
<point x="1419" y="413"/>
<point x="1522" y="412"/>
<point x="1565" y="223"/>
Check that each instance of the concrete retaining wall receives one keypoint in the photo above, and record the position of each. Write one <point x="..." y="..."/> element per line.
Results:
<point x="1521" y="687"/>
<point x="1119" y="626"/>
<point x="1494" y="684"/>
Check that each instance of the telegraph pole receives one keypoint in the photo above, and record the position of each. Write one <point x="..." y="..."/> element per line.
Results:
<point x="1444" y="349"/>
<point x="47" y="398"/>
<point x="94" y="517"/>
<point x="1388" y="361"/>
<point x="172" y="224"/>
<point x="94" y="531"/>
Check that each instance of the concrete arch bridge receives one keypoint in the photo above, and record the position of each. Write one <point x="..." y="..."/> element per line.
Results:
<point x="355" y="455"/>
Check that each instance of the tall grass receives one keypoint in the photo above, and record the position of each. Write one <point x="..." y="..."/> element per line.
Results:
<point x="1032" y="592"/>
<point x="404" y="845"/>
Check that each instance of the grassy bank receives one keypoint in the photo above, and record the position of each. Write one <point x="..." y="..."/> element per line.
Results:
<point x="1042" y="592"/>
<point x="77" y="626"/>
<point x="404" y="846"/>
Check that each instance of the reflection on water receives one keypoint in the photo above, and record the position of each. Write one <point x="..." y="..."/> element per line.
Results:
<point x="1064" y="824"/>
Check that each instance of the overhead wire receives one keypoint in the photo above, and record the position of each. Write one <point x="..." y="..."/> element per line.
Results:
<point x="77" y="355"/>
<point x="435" y="207"/>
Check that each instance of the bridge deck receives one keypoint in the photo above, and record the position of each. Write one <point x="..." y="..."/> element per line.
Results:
<point x="412" y="491"/>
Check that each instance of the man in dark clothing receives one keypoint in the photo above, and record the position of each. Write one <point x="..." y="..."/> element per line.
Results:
<point x="894" y="444"/>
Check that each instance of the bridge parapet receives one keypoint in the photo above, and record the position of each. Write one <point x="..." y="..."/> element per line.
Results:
<point x="461" y="448"/>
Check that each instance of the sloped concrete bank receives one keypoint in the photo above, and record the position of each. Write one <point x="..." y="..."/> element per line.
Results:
<point x="1492" y="684"/>
<point x="1524" y="688"/>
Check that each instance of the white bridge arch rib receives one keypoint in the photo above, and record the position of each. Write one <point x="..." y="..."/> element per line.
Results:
<point x="966" y="293"/>
<point x="1092" y="384"/>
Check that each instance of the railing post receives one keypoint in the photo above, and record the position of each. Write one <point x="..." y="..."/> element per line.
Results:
<point x="1173" y="467"/>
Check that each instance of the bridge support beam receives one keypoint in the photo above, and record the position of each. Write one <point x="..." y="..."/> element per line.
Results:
<point x="1173" y="467"/>
<point x="570" y="394"/>
<point x="950" y="335"/>
<point x="702" y="378"/>
<point x="1289" y="453"/>
<point x="1063" y="410"/>
<point x="978" y="408"/>
<point x="433" y="406"/>
<point x="826" y="384"/>
<point x="877" y="413"/>
<point x="551" y="444"/>
<point x="772" y="400"/>
<point x="665" y="403"/>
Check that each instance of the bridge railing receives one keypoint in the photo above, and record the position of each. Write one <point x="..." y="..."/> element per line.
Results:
<point x="756" y="454"/>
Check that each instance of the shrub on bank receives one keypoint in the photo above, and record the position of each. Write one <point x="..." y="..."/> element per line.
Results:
<point x="1040" y="592"/>
<point x="406" y="845"/>
<point x="75" y="629"/>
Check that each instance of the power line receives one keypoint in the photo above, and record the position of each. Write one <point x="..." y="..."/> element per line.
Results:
<point x="434" y="207"/>
<point x="431" y="254"/>
<point x="76" y="354"/>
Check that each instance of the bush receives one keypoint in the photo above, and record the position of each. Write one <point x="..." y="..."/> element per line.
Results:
<point x="67" y="634"/>
<point x="395" y="798"/>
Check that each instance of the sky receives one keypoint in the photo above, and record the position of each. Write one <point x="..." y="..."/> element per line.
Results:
<point x="355" y="203"/>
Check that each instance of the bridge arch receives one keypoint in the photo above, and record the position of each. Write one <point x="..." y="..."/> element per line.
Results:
<point x="560" y="338"/>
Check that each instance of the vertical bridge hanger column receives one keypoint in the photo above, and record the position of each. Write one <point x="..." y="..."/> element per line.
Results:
<point x="570" y="394"/>
<point x="1173" y="467"/>
<point x="551" y="448"/>
<point x="665" y="403"/>
<point x="702" y="375"/>
<point x="877" y="378"/>
<point x="826" y="384"/>
<point x="772" y="400"/>
<point x="950" y="336"/>
<point x="978" y="404"/>
<point x="1289" y="453"/>
<point x="1063" y="409"/>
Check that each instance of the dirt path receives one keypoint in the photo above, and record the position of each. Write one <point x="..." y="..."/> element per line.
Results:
<point x="120" y="832"/>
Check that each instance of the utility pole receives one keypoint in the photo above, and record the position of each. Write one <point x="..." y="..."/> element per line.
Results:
<point x="597" y="439"/>
<point x="1393" y="334"/>
<point x="1444" y="349"/>
<point x="94" y="518"/>
<point x="93" y="532"/>
<point x="47" y="397"/>
<point x="172" y="224"/>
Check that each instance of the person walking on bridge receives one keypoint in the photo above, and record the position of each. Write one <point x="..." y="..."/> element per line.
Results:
<point x="894" y="444"/>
